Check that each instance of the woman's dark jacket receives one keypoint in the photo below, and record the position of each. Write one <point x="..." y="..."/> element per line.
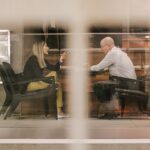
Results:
<point x="32" y="70"/>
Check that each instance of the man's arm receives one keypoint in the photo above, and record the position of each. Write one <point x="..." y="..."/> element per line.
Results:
<point x="105" y="63"/>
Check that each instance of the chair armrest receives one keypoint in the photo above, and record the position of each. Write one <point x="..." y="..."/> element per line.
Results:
<point x="127" y="91"/>
<point x="49" y="80"/>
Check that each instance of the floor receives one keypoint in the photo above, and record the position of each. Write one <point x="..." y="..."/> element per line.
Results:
<point x="42" y="128"/>
<point x="38" y="132"/>
<point x="69" y="147"/>
<point x="107" y="132"/>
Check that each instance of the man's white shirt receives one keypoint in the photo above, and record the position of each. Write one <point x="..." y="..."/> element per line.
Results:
<point x="118" y="63"/>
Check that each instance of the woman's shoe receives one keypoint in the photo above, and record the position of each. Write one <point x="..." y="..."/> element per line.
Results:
<point x="61" y="116"/>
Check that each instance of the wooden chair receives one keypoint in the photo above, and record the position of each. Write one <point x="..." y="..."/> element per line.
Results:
<point x="14" y="94"/>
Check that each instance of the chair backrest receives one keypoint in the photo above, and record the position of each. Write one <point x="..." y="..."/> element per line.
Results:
<point x="9" y="89"/>
<point x="11" y="75"/>
<point x="10" y="71"/>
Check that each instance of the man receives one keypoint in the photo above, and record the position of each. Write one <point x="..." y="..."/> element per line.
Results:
<point x="119" y="65"/>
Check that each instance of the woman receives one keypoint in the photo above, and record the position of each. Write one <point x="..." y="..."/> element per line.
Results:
<point x="37" y="67"/>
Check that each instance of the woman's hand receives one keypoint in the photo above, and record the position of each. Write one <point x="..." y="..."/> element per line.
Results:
<point x="45" y="72"/>
<point x="63" y="56"/>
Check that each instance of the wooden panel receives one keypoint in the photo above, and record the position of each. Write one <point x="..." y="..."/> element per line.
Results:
<point x="136" y="42"/>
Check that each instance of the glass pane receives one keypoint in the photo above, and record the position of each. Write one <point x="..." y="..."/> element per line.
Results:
<point x="134" y="46"/>
<point x="4" y="46"/>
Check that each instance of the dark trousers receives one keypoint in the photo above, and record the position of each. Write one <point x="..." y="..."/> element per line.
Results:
<point x="126" y="83"/>
<point x="103" y="92"/>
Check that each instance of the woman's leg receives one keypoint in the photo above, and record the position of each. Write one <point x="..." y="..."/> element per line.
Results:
<point x="59" y="93"/>
<point x="53" y="98"/>
<point x="59" y="100"/>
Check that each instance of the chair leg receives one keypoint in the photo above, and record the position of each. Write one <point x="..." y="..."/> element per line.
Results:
<point x="46" y="106"/>
<point x="8" y="112"/>
<point x="3" y="110"/>
<point x="12" y="107"/>
<point x="122" y="101"/>
<point x="144" y="104"/>
<point x="5" y="105"/>
<point x="140" y="105"/>
<point x="53" y="108"/>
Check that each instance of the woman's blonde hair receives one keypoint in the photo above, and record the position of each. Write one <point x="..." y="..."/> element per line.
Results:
<point x="37" y="50"/>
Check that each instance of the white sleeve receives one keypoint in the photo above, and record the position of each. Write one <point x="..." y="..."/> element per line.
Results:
<point x="106" y="62"/>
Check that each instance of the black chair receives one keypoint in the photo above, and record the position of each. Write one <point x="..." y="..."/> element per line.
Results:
<point x="133" y="90"/>
<point x="14" y="78"/>
<point x="14" y="94"/>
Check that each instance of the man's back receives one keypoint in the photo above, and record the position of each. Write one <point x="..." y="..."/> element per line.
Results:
<point x="122" y="65"/>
